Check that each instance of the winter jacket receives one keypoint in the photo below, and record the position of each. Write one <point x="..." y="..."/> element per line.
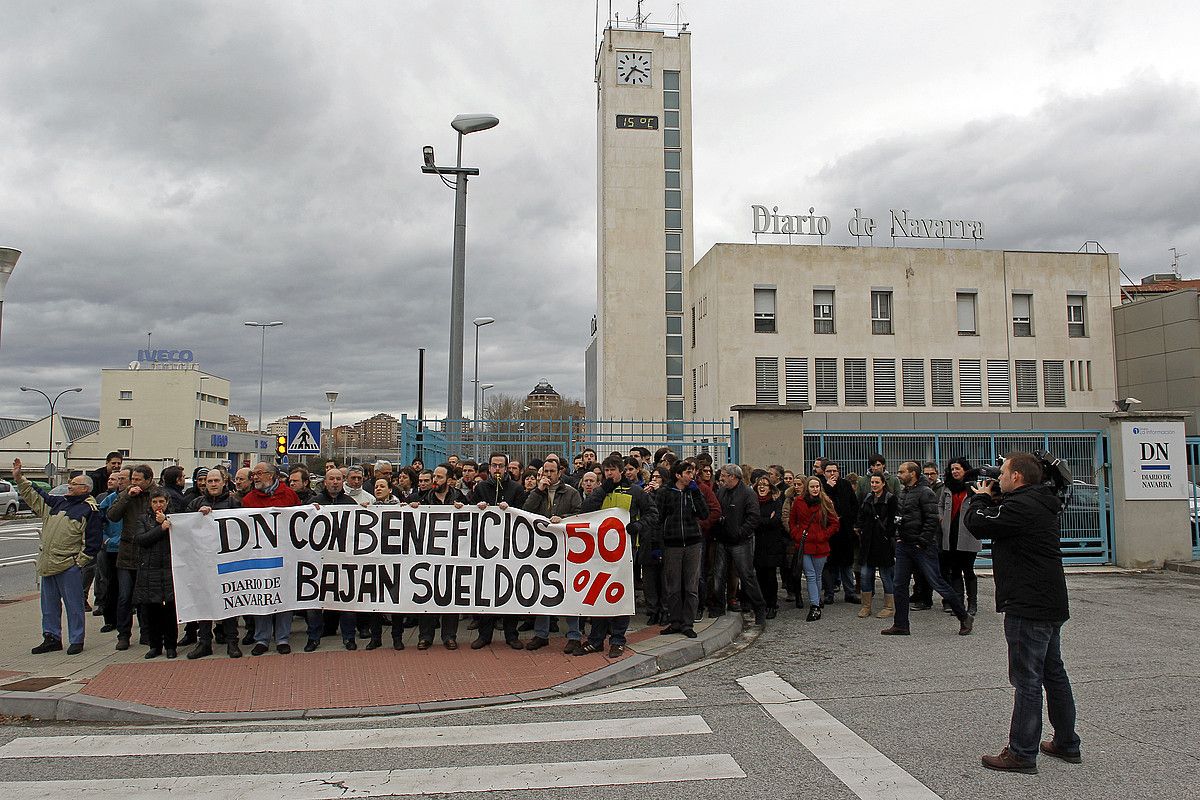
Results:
<point x="359" y="495"/>
<point x="804" y="522"/>
<point x="225" y="500"/>
<point x="71" y="528"/>
<point x="739" y="515"/>
<point x="429" y="498"/>
<point x="1026" y="557"/>
<point x="678" y="513"/>
<point x="280" y="495"/>
<point x="99" y="482"/>
<point x="495" y="492"/>
<point x="129" y="508"/>
<point x="917" y="508"/>
<point x="176" y="502"/>
<point x="154" y="583"/>
<point x="890" y="482"/>
<point x="643" y="510"/>
<point x="845" y="503"/>
<point x="877" y="522"/>
<point x="112" y="530"/>
<point x="305" y="496"/>
<point x="714" y="508"/>
<point x="324" y="498"/>
<point x="964" y="541"/>
<point x="770" y="534"/>
<point x="566" y="503"/>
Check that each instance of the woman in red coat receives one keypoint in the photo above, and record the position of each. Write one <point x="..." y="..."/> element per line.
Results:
<point x="812" y="521"/>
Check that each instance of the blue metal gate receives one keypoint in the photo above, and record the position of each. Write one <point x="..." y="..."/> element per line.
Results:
<point x="1087" y="523"/>
<point x="1193" y="458"/>
<point x="533" y="437"/>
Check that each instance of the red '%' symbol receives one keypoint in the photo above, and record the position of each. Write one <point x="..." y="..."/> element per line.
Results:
<point x="612" y="594"/>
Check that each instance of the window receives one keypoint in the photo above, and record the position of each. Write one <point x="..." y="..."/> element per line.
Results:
<point x="1027" y="383"/>
<point x="764" y="310"/>
<point x="693" y="327"/>
<point x="856" y="381"/>
<point x="703" y="375"/>
<point x="1053" y="384"/>
<point x="766" y="380"/>
<point x="124" y="453"/>
<point x="822" y="310"/>
<point x="966" y="313"/>
<point x="913" y="375"/>
<point x="693" y="391"/>
<point x="881" y="313"/>
<point x="941" y="375"/>
<point x="827" y="381"/>
<point x="674" y="302"/>
<point x="885" y="381"/>
<point x="1022" y="319"/>
<point x="795" y="378"/>
<point x="999" y="383"/>
<point x="126" y="394"/>
<point x="1077" y="316"/>
<point x="970" y="384"/>
<point x="124" y="422"/>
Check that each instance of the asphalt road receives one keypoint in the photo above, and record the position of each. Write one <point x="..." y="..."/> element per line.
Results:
<point x="893" y="717"/>
<point x="18" y="550"/>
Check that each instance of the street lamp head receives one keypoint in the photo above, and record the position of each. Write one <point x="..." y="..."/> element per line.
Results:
<point x="427" y="154"/>
<point x="8" y="262"/>
<point x="26" y="389"/>
<point x="76" y="389"/>
<point x="481" y="321"/>
<point x="470" y="123"/>
<point x="331" y="397"/>
<point x="485" y="386"/>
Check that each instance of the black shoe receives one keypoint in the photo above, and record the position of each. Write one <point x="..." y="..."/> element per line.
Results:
<point x="713" y="613"/>
<point x="972" y="608"/>
<point x="232" y="650"/>
<point x="259" y="649"/>
<point x="122" y="642"/>
<point x="200" y="651"/>
<point x="49" y="645"/>
<point x="814" y="614"/>
<point x="616" y="651"/>
<point x="424" y="644"/>
<point x="772" y="612"/>
<point x="375" y="643"/>
<point x="153" y="652"/>
<point x="172" y="652"/>
<point x="98" y="612"/>
<point x="515" y="644"/>
<point x="894" y="631"/>
<point x="573" y="647"/>
<point x="107" y="628"/>
<point x="670" y="629"/>
<point x="311" y="644"/>
<point x="734" y="605"/>
<point x="284" y="649"/>
<point x="966" y="623"/>
<point x="1049" y="748"/>
<point x="536" y="643"/>
<point x="920" y="605"/>
<point x="248" y="639"/>
<point x="219" y="635"/>
<point x="349" y="644"/>
<point x="760" y="617"/>
<point x="75" y="649"/>
<point x="688" y="632"/>
<point x="946" y="609"/>
<point x="189" y="637"/>
<point x="479" y="644"/>
<point x="830" y="597"/>
<point x="397" y="643"/>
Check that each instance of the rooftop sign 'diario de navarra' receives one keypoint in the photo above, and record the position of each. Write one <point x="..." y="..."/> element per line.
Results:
<point x="770" y="221"/>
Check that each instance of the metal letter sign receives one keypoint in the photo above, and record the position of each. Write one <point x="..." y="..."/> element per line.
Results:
<point x="1155" y="460"/>
<point x="304" y="438"/>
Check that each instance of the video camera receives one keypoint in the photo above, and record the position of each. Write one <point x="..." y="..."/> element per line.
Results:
<point x="1055" y="473"/>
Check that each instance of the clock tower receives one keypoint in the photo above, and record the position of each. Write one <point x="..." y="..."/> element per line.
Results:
<point x="644" y="223"/>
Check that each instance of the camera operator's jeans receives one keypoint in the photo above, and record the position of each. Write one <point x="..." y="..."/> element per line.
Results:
<point x="924" y="559"/>
<point x="1035" y="661"/>
<point x="867" y="576"/>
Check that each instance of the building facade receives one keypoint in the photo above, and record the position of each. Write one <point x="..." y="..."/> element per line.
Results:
<point x="1158" y="352"/>
<point x="898" y="337"/>
<point x="644" y="223"/>
<point x="381" y="430"/>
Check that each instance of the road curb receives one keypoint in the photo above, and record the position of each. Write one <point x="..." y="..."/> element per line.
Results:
<point x="1187" y="567"/>
<point x="76" y="707"/>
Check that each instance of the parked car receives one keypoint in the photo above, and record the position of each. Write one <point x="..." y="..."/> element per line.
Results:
<point x="9" y="500"/>
<point x="45" y="487"/>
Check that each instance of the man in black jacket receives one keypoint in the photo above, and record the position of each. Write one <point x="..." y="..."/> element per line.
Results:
<point x="839" y="567"/>
<point x="439" y="493"/>
<point x="1031" y="592"/>
<point x="500" y="491"/>
<point x="215" y="496"/>
<point x="333" y="493"/>
<point x="734" y="542"/>
<point x="918" y="532"/>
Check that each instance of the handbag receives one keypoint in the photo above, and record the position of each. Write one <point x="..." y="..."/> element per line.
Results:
<point x="797" y="567"/>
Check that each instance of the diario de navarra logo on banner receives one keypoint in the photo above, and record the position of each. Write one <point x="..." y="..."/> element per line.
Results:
<point x="400" y="559"/>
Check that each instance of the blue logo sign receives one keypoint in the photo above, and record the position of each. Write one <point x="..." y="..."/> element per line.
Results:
<point x="220" y="440"/>
<point x="164" y="356"/>
<point x="304" y="438"/>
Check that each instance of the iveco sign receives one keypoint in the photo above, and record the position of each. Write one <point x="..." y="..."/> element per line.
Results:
<point x="166" y="356"/>
<point x="903" y="225"/>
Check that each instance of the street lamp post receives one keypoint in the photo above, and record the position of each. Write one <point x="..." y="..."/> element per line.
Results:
<point x="50" y="443"/>
<point x="463" y="124"/>
<point x="331" y="398"/>
<point x="478" y="322"/>
<point x="8" y="262"/>
<point x="262" y="362"/>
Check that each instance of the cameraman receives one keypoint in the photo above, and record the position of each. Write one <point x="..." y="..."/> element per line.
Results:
<point x="1031" y="590"/>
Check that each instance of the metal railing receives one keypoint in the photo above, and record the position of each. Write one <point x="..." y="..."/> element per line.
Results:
<point x="1193" y="459"/>
<point x="533" y="437"/>
<point x="1086" y="528"/>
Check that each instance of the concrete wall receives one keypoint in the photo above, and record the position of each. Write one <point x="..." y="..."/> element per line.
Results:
<point x="899" y="421"/>
<point x="1158" y="353"/>
<point x="770" y="434"/>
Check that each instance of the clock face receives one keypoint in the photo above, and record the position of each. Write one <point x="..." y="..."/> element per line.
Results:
<point x="633" y="69"/>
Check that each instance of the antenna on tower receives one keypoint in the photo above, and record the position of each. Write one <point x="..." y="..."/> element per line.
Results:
<point x="640" y="19"/>
<point x="1175" y="256"/>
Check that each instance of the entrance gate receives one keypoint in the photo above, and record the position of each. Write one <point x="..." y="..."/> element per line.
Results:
<point x="1193" y="458"/>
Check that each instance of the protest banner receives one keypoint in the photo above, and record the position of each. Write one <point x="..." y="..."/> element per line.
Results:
<point x="427" y="560"/>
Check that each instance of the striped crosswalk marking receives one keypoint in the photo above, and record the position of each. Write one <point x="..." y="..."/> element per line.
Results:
<point x="396" y="782"/>
<point x="641" y="694"/>
<point x="350" y="739"/>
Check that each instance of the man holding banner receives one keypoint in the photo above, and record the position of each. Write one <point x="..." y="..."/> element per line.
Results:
<point x="497" y="490"/>
<point x="553" y="499"/>
<point x="440" y="493"/>
<point x="270" y="492"/>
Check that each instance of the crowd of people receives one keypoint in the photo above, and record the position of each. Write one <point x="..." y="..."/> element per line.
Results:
<point x="707" y="539"/>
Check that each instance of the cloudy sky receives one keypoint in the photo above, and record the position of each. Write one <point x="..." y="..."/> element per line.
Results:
<point x="182" y="167"/>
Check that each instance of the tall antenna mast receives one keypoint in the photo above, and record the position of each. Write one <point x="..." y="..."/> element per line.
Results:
<point x="1175" y="256"/>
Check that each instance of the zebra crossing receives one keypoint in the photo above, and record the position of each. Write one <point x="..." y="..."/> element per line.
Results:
<point x="604" y="723"/>
<point x="22" y="538"/>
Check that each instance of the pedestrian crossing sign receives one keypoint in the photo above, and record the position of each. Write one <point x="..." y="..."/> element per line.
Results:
<point x="304" y="438"/>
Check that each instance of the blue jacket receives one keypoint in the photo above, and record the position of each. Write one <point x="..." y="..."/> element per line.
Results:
<point x="112" y="530"/>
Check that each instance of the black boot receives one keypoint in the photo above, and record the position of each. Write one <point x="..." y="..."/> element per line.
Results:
<point x="201" y="650"/>
<point x="972" y="596"/>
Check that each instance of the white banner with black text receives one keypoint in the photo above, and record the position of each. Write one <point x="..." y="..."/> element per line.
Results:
<point x="427" y="560"/>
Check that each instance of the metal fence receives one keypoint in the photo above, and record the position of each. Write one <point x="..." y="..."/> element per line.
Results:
<point x="533" y="437"/>
<point x="1193" y="458"/>
<point x="1086" y="531"/>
